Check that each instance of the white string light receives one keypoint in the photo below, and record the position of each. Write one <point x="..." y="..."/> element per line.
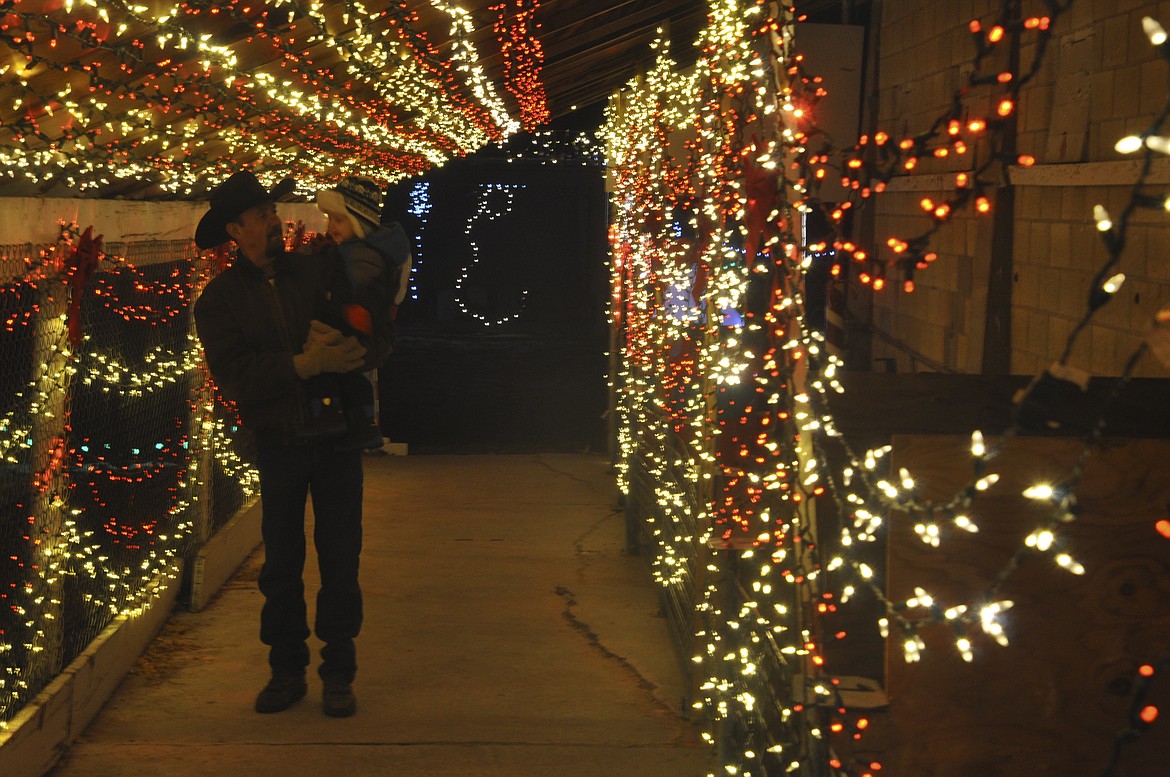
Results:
<point x="420" y="208"/>
<point x="489" y="207"/>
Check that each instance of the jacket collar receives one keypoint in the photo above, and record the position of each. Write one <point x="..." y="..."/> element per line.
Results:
<point x="243" y="265"/>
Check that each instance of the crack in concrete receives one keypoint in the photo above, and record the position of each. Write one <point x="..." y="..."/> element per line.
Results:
<point x="591" y="636"/>
<point x="592" y="483"/>
<point x="394" y="743"/>
<point x="579" y="542"/>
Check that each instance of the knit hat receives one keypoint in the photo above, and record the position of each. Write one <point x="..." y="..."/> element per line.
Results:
<point x="360" y="197"/>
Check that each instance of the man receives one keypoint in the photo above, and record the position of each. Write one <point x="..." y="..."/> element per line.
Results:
<point x="255" y="320"/>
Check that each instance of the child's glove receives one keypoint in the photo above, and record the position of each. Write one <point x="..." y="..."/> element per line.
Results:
<point x="316" y="244"/>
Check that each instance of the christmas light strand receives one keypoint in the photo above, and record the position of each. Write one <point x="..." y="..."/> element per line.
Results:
<point x="516" y="27"/>
<point x="958" y="135"/>
<point x="150" y="97"/>
<point x="494" y="202"/>
<point x="741" y="182"/>
<point x="80" y="536"/>
<point x="870" y="498"/>
<point x="420" y="208"/>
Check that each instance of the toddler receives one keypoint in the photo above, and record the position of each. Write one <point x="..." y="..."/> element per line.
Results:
<point x="364" y="279"/>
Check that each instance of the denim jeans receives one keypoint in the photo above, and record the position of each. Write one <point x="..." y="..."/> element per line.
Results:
<point x="289" y="474"/>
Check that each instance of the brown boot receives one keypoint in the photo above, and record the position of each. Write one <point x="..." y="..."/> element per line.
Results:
<point x="282" y="692"/>
<point x="339" y="701"/>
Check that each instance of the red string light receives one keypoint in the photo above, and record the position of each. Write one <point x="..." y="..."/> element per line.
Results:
<point x="138" y="70"/>
<point x="523" y="55"/>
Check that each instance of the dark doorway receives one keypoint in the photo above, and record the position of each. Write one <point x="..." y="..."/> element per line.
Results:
<point x="502" y="338"/>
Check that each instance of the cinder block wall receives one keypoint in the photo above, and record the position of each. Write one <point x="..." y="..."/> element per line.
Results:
<point x="34" y="219"/>
<point x="1100" y="80"/>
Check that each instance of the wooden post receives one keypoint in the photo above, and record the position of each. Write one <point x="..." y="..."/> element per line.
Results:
<point x="47" y="532"/>
<point x="997" y="332"/>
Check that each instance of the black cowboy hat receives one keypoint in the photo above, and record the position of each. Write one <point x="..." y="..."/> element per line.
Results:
<point x="231" y="198"/>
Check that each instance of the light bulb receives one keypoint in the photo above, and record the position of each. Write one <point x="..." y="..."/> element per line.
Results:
<point x="1153" y="30"/>
<point x="1128" y="144"/>
<point x="1158" y="143"/>
<point x="1101" y="216"/>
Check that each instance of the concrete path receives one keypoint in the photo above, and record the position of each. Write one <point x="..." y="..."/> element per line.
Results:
<point x="507" y="634"/>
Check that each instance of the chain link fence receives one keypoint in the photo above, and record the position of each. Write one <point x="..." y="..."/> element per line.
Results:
<point x="118" y="457"/>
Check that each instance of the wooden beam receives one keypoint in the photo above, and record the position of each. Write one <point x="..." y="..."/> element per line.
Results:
<point x="641" y="23"/>
<point x="563" y="29"/>
<point x="624" y="48"/>
<point x="560" y="29"/>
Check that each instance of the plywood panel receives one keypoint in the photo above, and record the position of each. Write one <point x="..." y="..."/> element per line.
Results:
<point x="1052" y="701"/>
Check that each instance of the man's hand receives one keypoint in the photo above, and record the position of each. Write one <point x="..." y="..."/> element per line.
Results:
<point x="346" y="356"/>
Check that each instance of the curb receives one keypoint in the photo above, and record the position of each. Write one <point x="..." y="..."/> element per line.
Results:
<point x="41" y="733"/>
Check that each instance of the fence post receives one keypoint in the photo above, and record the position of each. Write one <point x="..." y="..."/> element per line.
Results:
<point x="49" y="543"/>
<point x="202" y="421"/>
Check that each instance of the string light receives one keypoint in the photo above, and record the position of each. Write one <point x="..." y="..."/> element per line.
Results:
<point x="712" y="414"/>
<point x="874" y="162"/>
<point x="494" y="202"/>
<point x="160" y="102"/>
<point x="523" y="55"/>
<point x="555" y="147"/>
<point x="112" y="517"/>
<point x="420" y="208"/>
<point x="1153" y="30"/>
<point x="718" y="446"/>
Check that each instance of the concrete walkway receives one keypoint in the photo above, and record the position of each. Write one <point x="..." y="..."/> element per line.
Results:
<point x="507" y="634"/>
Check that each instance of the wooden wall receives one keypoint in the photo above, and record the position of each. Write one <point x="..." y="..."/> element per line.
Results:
<point x="1051" y="702"/>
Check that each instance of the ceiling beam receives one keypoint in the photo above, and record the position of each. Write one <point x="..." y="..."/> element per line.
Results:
<point x="562" y="28"/>
<point x="643" y="22"/>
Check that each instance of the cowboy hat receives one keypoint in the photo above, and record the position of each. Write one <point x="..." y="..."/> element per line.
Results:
<point x="237" y="194"/>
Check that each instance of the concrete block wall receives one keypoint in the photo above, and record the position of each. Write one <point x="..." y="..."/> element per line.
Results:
<point x="1099" y="80"/>
<point x="1057" y="253"/>
<point x="34" y="219"/>
<point x="943" y="319"/>
<point x="925" y="47"/>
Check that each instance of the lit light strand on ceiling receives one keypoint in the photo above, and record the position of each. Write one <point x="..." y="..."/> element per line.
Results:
<point x="467" y="61"/>
<point x="167" y="96"/>
<point x="516" y="29"/>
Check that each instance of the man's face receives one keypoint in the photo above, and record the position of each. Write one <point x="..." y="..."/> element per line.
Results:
<point x="259" y="232"/>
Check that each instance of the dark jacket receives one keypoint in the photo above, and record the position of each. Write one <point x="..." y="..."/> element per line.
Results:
<point x="367" y="272"/>
<point x="251" y="326"/>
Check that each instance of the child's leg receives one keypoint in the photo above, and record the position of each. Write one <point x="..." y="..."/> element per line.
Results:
<point x="358" y="394"/>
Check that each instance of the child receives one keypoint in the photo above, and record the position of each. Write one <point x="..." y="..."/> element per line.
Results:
<point x="364" y="280"/>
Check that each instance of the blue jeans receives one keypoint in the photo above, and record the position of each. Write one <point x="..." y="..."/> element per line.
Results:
<point x="288" y="474"/>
